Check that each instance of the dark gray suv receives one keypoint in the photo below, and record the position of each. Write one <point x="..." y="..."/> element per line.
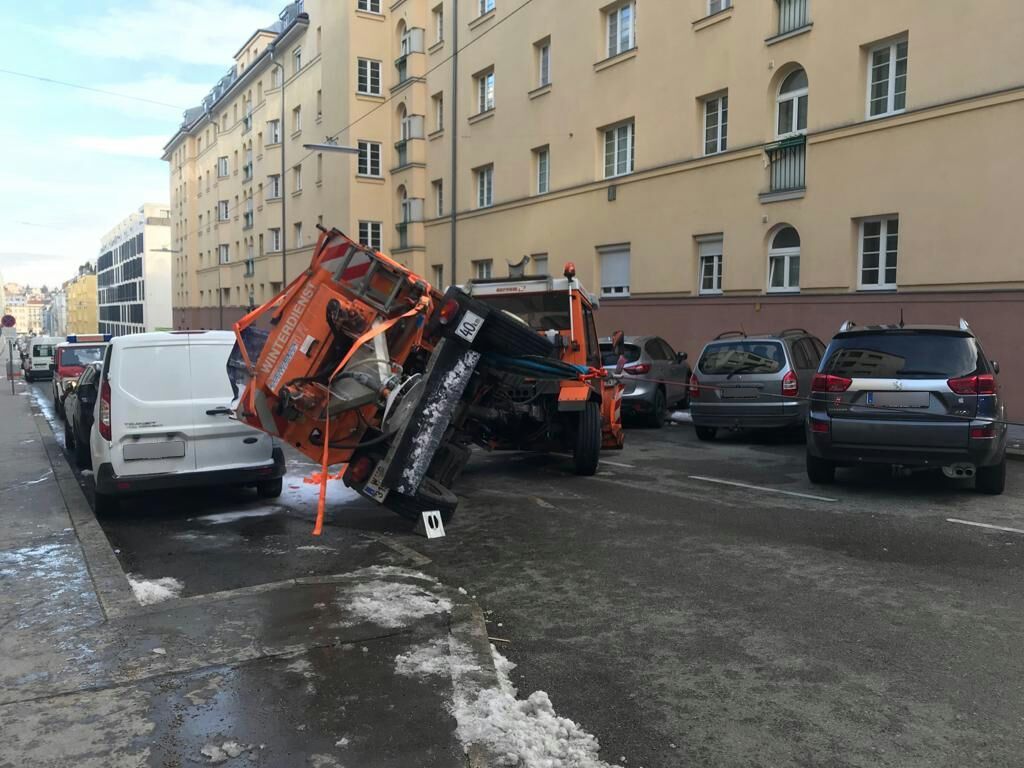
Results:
<point x="910" y="396"/>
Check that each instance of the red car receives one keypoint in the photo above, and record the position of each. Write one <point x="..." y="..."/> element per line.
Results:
<point x="70" y="359"/>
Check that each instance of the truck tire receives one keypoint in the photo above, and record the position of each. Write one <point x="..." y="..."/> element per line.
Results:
<point x="430" y="496"/>
<point x="587" y="450"/>
<point x="991" y="480"/>
<point x="508" y="336"/>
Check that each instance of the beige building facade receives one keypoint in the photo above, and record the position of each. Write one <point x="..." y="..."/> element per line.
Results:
<point x="82" y="306"/>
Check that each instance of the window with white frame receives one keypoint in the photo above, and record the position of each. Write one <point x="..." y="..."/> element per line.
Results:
<point x="297" y="178"/>
<point x="273" y="186"/>
<point x="276" y="77"/>
<point x="879" y="246"/>
<point x="222" y="166"/>
<point x="614" y="264"/>
<point x="297" y="58"/>
<point x="223" y="255"/>
<point x="716" y="124"/>
<point x="275" y="239"/>
<point x="485" y="6"/>
<point x="887" y="79"/>
<point x="621" y="22"/>
<point x="791" y="104"/>
<point x="709" y="264"/>
<point x="368" y="77"/>
<point x="543" y="163"/>
<point x="485" y="186"/>
<point x="482" y="270"/>
<point x="716" y="6"/>
<point x="439" y="197"/>
<point x="784" y="261"/>
<point x="438" y="100"/>
<point x="539" y="264"/>
<point x="222" y="210"/>
<point x="619" y="150"/>
<point x="273" y="131"/>
<point x="485" y="91"/>
<point x="297" y="236"/>
<point x="369" y="158"/>
<point x="370" y="234"/>
<point x="543" y="63"/>
<point x="296" y="119"/>
<point x="437" y="276"/>
<point x="438" y="14"/>
<point x="370" y="6"/>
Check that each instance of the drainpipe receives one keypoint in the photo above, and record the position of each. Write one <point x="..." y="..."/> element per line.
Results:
<point x="284" y="234"/>
<point x="454" y="111"/>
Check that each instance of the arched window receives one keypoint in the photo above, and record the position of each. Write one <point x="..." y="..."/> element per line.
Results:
<point x="784" y="261"/>
<point x="791" y="104"/>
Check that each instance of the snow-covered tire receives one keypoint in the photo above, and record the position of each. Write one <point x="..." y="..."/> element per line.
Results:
<point x="586" y="452"/>
<point x="431" y="496"/>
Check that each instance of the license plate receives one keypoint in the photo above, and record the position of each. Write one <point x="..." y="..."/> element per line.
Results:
<point x="374" y="487"/>
<point x="738" y="393"/>
<point x="469" y="326"/>
<point x="899" y="399"/>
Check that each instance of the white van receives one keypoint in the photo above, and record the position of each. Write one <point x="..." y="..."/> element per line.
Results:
<point x="37" y="360"/>
<point x="163" y="420"/>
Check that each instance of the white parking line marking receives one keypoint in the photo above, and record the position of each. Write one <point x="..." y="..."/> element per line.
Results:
<point x="984" y="525"/>
<point x="617" y="464"/>
<point x="761" y="488"/>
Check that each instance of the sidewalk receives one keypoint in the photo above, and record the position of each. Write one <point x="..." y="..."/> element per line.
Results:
<point x="362" y="669"/>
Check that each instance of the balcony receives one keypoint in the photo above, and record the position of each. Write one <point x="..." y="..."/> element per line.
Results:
<point x="787" y="163"/>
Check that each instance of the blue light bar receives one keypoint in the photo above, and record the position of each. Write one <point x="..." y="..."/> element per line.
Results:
<point x="91" y="338"/>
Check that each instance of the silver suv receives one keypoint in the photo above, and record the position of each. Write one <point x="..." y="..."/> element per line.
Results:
<point x="753" y="382"/>
<point x="911" y="396"/>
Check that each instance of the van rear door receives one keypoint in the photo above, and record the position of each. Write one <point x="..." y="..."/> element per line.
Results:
<point x="150" y="404"/>
<point x="221" y="442"/>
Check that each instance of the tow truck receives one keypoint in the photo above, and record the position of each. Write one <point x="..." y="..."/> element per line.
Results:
<point x="360" y="362"/>
<point x="69" y="360"/>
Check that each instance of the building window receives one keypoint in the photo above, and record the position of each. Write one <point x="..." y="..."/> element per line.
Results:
<point x="614" y="271"/>
<point x="298" y="234"/>
<point x="539" y="264"/>
<point x="543" y="163"/>
<point x="222" y="166"/>
<point x="482" y="270"/>
<point x="438" y="111"/>
<point x="273" y="131"/>
<point x="619" y="150"/>
<point x="716" y="124"/>
<point x="621" y="29"/>
<point x="791" y="104"/>
<point x="485" y="6"/>
<point x="709" y="257"/>
<point x="437" y="276"/>
<point x="485" y="187"/>
<point x="879" y="245"/>
<point x="368" y="72"/>
<point x="369" y="158"/>
<point x="784" y="261"/>
<point x="222" y="210"/>
<point x="717" y="6"/>
<point x="485" y="91"/>
<point x="319" y="167"/>
<point x="792" y="15"/>
<point x="887" y="79"/>
<point x="319" y="104"/>
<point x="297" y="178"/>
<point x="438" y="14"/>
<point x="273" y="187"/>
<point x="296" y="119"/>
<point x="370" y="6"/>
<point x="297" y="58"/>
<point x="222" y="253"/>
<point x="543" y="63"/>
<point x="439" y="197"/>
<point x="275" y="239"/>
<point x="369" y="234"/>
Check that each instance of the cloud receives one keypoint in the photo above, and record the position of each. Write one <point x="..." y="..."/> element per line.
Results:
<point x="130" y="146"/>
<point x="190" y="31"/>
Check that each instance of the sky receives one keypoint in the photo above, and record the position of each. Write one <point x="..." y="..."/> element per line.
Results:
<point x="74" y="163"/>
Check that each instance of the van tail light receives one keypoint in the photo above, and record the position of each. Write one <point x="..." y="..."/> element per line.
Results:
<point x="104" y="422"/>
<point x="790" y="385"/>
<point x="820" y="426"/>
<point x="638" y="369"/>
<point x="448" y="311"/>
<point x="360" y="469"/>
<point x="983" y="433"/>
<point x="982" y="384"/>
<point x="826" y="382"/>
<point x="694" y="387"/>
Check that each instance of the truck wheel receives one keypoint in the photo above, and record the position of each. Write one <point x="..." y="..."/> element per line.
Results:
<point x="430" y="496"/>
<point x="508" y="336"/>
<point x="587" y="450"/>
<point x="270" y="489"/>
<point x="657" y="417"/>
<point x="991" y="480"/>
<point x="820" y="471"/>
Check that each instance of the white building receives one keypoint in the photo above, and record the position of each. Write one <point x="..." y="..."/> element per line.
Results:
<point x="133" y="272"/>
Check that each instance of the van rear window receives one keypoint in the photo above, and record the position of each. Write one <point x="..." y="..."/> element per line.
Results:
<point x="155" y="374"/>
<point x="42" y="350"/>
<point x="725" y="357"/>
<point x="902" y="355"/>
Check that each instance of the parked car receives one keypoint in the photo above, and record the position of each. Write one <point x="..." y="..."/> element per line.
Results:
<point x="164" y="420"/>
<point x="754" y="382"/>
<point x="37" y="359"/>
<point x="912" y="396"/>
<point x="656" y="377"/>
<point x="79" y="405"/>
<point x="69" y="360"/>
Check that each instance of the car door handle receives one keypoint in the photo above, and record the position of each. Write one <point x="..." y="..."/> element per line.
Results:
<point x="219" y="412"/>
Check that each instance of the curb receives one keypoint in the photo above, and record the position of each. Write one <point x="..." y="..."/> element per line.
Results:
<point x="110" y="581"/>
<point x="469" y="628"/>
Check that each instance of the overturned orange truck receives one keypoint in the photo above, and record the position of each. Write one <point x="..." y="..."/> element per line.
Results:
<point x="360" y="362"/>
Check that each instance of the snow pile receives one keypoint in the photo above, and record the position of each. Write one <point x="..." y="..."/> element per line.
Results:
<point x="219" y="753"/>
<point x="439" y="657"/>
<point x="523" y="734"/>
<point x="681" y="417"/>
<point x="393" y="605"/>
<point x="221" y="518"/>
<point x="148" y="592"/>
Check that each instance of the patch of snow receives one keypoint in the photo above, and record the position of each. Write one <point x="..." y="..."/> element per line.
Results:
<point x="222" y="752"/>
<point x="681" y="417"/>
<point x="221" y="518"/>
<point x="148" y="592"/>
<point x="395" y="570"/>
<point x="342" y="742"/>
<point x="86" y="473"/>
<point x="393" y="604"/>
<point x="440" y="657"/>
<point x="462" y="591"/>
<point x="316" y="548"/>
<point x="160" y="651"/>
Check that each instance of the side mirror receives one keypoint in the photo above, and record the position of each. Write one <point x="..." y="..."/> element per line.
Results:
<point x="87" y="394"/>
<point x="681" y="356"/>
<point x="618" y="343"/>
<point x="995" y="367"/>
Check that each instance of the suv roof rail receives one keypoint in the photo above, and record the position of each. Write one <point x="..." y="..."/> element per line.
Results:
<point x="727" y="334"/>
<point x="794" y="331"/>
<point x="846" y="326"/>
<point x="964" y="325"/>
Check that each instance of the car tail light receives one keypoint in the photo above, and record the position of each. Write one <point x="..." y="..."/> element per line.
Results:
<point x="983" y="433"/>
<point x="638" y="369"/>
<point x="694" y="387"/>
<point x="360" y="469"/>
<point x="982" y="384"/>
<point x="820" y="426"/>
<point x="104" y="423"/>
<point x="449" y="311"/>
<point x="790" y="386"/>
<point x="826" y="382"/>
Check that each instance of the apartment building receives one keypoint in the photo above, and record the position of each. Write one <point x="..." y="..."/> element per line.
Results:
<point x="133" y="273"/>
<point x="82" y="307"/>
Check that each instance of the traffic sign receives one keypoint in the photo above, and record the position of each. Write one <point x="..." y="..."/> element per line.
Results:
<point x="7" y="321"/>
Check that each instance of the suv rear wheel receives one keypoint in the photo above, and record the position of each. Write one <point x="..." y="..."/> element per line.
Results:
<point x="991" y="480"/>
<point x="706" y="433"/>
<point x="270" y="489"/>
<point x="659" y="413"/>
<point x="820" y="471"/>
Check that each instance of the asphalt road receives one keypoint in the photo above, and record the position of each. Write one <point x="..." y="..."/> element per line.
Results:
<point x="692" y="604"/>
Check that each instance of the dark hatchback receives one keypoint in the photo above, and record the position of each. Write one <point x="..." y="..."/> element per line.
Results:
<point x="913" y="396"/>
<point x="79" y="406"/>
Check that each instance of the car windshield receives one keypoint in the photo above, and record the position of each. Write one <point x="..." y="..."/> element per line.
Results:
<point x="541" y="311"/>
<point x="630" y="351"/>
<point x="902" y="355"/>
<point x="42" y="350"/>
<point x="80" y="356"/>
<point x="727" y="357"/>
